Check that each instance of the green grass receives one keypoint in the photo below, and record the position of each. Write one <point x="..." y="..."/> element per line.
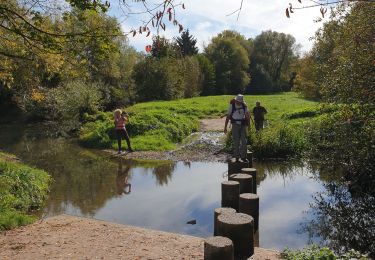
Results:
<point x="22" y="189"/>
<point x="161" y="125"/>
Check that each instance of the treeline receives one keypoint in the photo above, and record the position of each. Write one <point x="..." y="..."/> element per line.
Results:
<point x="229" y="64"/>
<point x="75" y="62"/>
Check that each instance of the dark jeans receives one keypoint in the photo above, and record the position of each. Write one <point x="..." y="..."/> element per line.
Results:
<point x="122" y="134"/>
<point x="258" y="124"/>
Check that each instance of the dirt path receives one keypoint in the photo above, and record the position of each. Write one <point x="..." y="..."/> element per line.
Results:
<point x="68" y="237"/>
<point x="216" y="124"/>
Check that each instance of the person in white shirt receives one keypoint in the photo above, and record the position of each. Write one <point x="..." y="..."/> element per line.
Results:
<point x="239" y="116"/>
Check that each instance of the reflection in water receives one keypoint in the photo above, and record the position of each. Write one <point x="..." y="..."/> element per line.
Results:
<point x="283" y="200"/>
<point x="344" y="221"/>
<point x="287" y="170"/>
<point x="123" y="187"/>
<point x="163" y="173"/>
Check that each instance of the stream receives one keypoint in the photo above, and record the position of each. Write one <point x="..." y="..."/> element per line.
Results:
<point x="165" y="195"/>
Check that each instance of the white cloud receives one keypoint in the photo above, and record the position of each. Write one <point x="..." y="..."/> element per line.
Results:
<point x="205" y="19"/>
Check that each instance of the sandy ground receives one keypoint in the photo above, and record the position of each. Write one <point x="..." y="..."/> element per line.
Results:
<point x="216" y="124"/>
<point x="68" y="237"/>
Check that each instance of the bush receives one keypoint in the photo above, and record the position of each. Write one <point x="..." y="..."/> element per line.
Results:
<point x="22" y="189"/>
<point x="315" y="252"/>
<point x="76" y="98"/>
<point x="346" y="139"/>
<point x="301" y="114"/>
<point x="278" y="142"/>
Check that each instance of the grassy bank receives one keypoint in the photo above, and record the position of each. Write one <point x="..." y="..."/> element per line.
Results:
<point x="22" y="189"/>
<point x="160" y="125"/>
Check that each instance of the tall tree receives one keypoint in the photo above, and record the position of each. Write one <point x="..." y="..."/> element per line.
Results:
<point x="231" y="63"/>
<point x="186" y="42"/>
<point x="271" y="58"/>
<point x="208" y="75"/>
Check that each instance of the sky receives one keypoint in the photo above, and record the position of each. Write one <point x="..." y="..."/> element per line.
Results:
<point x="206" y="18"/>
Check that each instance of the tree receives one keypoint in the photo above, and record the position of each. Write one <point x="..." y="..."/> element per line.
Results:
<point x="192" y="77"/>
<point x="306" y="77"/>
<point x="159" y="79"/>
<point x="161" y="48"/>
<point x="344" y="55"/>
<point x="231" y="63"/>
<point x="207" y="75"/>
<point x="272" y="55"/>
<point x="247" y="44"/>
<point x="186" y="43"/>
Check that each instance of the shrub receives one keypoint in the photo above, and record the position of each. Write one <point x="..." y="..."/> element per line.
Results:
<point x="346" y="138"/>
<point x="278" y="142"/>
<point x="315" y="252"/>
<point x="76" y="98"/>
<point x="301" y="114"/>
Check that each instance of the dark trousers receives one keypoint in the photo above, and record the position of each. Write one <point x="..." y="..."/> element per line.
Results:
<point x="258" y="124"/>
<point x="122" y="134"/>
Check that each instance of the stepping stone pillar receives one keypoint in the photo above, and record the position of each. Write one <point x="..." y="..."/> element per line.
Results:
<point x="249" y="204"/>
<point x="230" y="191"/>
<point x="239" y="228"/>
<point x="219" y="211"/>
<point x="235" y="167"/>
<point x="249" y="156"/>
<point x="245" y="181"/>
<point x="256" y="238"/>
<point x="253" y="173"/>
<point x="218" y="248"/>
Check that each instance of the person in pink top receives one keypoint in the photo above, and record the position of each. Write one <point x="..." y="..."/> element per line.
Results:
<point x="120" y="120"/>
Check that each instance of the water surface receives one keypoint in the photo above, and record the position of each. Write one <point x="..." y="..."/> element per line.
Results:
<point x="162" y="195"/>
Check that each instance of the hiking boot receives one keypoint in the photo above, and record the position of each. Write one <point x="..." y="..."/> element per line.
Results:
<point x="130" y="150"/>
<point x="119" y="152"/>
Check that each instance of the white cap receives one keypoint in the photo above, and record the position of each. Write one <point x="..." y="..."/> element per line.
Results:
<point x="239" y="98"/>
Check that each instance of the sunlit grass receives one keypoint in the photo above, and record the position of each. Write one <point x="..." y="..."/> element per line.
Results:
<point x="160" y="125"/>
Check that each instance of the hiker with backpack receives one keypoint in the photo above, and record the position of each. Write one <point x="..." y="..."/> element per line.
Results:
<point x="239" y="116"/>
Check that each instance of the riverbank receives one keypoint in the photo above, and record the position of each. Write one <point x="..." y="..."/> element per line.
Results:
<point x="204" y="146"/>
<point x="23" y="189"/>
<point x="72" y="237"/>
<point x="164" y="125"/>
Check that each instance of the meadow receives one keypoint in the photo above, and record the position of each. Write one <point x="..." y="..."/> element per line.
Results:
<point x="160" y="125"/>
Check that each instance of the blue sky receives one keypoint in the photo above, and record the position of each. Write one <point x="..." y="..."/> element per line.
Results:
<point x="207" y="18"/>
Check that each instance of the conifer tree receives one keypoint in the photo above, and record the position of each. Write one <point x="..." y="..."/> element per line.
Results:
<point x="186" y="42"/>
